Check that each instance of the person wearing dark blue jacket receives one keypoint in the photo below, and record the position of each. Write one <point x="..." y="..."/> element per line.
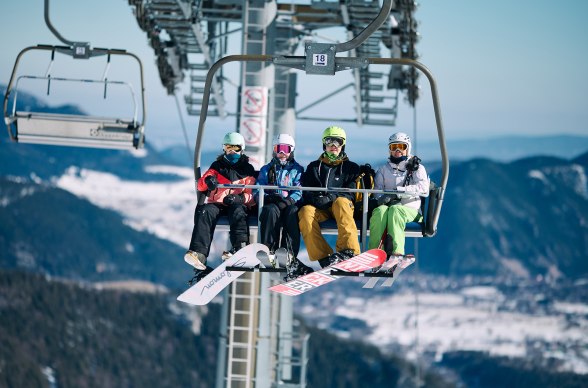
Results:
<point x="280" y="210"/>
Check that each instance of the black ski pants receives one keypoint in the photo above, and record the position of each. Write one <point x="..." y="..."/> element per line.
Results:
<point x="272" y="220"/>
<point x="205" y="219"/>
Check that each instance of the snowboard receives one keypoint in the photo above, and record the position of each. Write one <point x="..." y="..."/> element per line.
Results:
<point x="212" y="284"/>
<point x="362" y="262"/>
<point x="390" y="270"/>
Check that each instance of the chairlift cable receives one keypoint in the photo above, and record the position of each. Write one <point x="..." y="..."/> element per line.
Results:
<point x="186" y="141"/>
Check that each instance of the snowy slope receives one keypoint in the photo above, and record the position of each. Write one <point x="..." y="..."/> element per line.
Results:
<point x="164" y="208"/>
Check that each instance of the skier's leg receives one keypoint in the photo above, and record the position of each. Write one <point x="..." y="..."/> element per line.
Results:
<point x="347" y="230"/>
<point x="205" y="219"/>
<point x="238" y="228"/>
<point x="398" y="216"/>
<point x="269" y="228"/>
<point x="309" y="218"/>
<point x="291" y="229"/>
<point x="377" y="226"/>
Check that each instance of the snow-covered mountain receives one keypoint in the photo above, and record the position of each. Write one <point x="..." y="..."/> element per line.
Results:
<point x="536" y="319"/>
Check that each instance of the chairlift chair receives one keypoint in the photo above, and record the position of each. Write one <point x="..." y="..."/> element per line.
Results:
<point x="75" y="129"/>
<point x="432" y="208"/>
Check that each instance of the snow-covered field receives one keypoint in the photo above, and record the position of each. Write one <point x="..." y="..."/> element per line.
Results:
<point x="473" y="318"/>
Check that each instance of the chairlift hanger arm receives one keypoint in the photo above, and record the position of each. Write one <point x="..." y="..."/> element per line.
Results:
<point x="368" y="30"/>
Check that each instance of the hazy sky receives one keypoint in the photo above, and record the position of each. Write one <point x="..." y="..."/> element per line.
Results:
<point x="502" y="67"/>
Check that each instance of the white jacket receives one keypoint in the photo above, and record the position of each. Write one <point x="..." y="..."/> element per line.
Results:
<point x="391" y="176"/>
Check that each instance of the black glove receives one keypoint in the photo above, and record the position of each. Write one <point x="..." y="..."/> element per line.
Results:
<point x="234" y="199"/>
<point x="273" y="198"/>
<point x="283" y="203"/>
<point x="322" y="202"/>
<point x="211" y="182"/>
<point x="388" y="199"/>
<point x="332" y="196"/>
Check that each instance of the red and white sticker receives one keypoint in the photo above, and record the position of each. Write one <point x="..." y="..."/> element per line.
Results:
<point x="254" y="101"/>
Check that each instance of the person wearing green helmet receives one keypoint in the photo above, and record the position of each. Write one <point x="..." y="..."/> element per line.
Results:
<point x="230" y="167"/>
<point x="333" y="169"/>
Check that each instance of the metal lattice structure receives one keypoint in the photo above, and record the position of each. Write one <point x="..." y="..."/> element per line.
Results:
<point x="187" y="37"/>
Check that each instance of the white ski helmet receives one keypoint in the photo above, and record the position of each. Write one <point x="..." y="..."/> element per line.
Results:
<point x="234" y="138"/>
<point x="400" y="137"/>
<point x="284" y="138"/>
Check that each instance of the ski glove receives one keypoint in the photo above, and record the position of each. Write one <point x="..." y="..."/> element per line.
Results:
<point x="322" y="202"/>
<point x="388" y="199"/>
<point x="234" y="199"/>
<point x="211" y="182"/>
<point x="284" y="203"/>
<point x="273" y="198"/>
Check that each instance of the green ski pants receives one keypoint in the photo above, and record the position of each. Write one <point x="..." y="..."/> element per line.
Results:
<point x="394" y="218"/>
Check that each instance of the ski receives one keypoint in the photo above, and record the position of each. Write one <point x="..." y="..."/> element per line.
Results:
<point x="403" y="263"/>
<point x="386" y="268"/>
<point x="360" y="263"/>
<point x="212" y="284"/>
<point x="282" y="257"/>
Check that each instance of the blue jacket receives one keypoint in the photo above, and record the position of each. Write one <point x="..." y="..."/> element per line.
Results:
<point x="274" y="173"/>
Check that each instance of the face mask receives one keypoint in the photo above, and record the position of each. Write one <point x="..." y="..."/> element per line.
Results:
<point x="397" y="160"/>
<point x="232" y="158"/>
<point x="331" y="157"/>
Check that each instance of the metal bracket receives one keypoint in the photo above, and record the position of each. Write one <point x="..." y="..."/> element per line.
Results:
<point x="320" y="58"/>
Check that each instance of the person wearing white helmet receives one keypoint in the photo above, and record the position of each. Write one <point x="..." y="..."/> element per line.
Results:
<point x="280" y="210"/>
<point x="230" y="167"/>
<point x="333" y="169"/>
<point x="403" y="172"/>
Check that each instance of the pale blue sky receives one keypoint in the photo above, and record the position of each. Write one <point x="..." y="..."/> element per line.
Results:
<point x="502" y="67"/>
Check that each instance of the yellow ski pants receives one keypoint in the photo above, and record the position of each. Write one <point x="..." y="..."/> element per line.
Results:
<point x="309" y="218"/>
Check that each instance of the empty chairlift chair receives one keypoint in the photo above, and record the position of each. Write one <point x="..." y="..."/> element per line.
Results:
<point x="67" y="129"/>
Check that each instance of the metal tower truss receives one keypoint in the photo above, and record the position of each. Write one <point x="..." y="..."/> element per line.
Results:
<point x="188" y="36"/>
<point x="184" y="41"/>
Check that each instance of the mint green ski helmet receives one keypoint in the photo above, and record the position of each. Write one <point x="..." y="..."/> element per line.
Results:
<point x="234" y="138"/>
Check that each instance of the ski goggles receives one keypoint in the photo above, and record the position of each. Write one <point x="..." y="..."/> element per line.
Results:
<point x="398" y="146"/>
<point x="232" y="147"/>
<point x="333" y="141"/>
<point x="283" y="149"/>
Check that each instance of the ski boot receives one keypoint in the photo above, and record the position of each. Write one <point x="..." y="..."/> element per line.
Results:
<point x="336" y="257"/>
<point x="228" y="254"/>
<point x="295" y="269"/>
<point x="196" y="260"/>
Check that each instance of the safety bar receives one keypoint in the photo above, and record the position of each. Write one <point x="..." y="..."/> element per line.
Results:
<point x="364" y="222"/>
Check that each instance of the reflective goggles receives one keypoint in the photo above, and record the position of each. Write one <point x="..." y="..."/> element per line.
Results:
<point x="283" y="148"/>
<point x="330" y="141"/>
<point x="398" y="146"/>
<point x="232" y="147"/>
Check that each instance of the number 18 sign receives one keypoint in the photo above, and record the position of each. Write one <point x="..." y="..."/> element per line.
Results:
<point x="319" y="59"/>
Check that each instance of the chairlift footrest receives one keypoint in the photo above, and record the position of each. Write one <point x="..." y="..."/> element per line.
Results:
<point x="254" y="269"/>
<point x="363" y="274"/>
